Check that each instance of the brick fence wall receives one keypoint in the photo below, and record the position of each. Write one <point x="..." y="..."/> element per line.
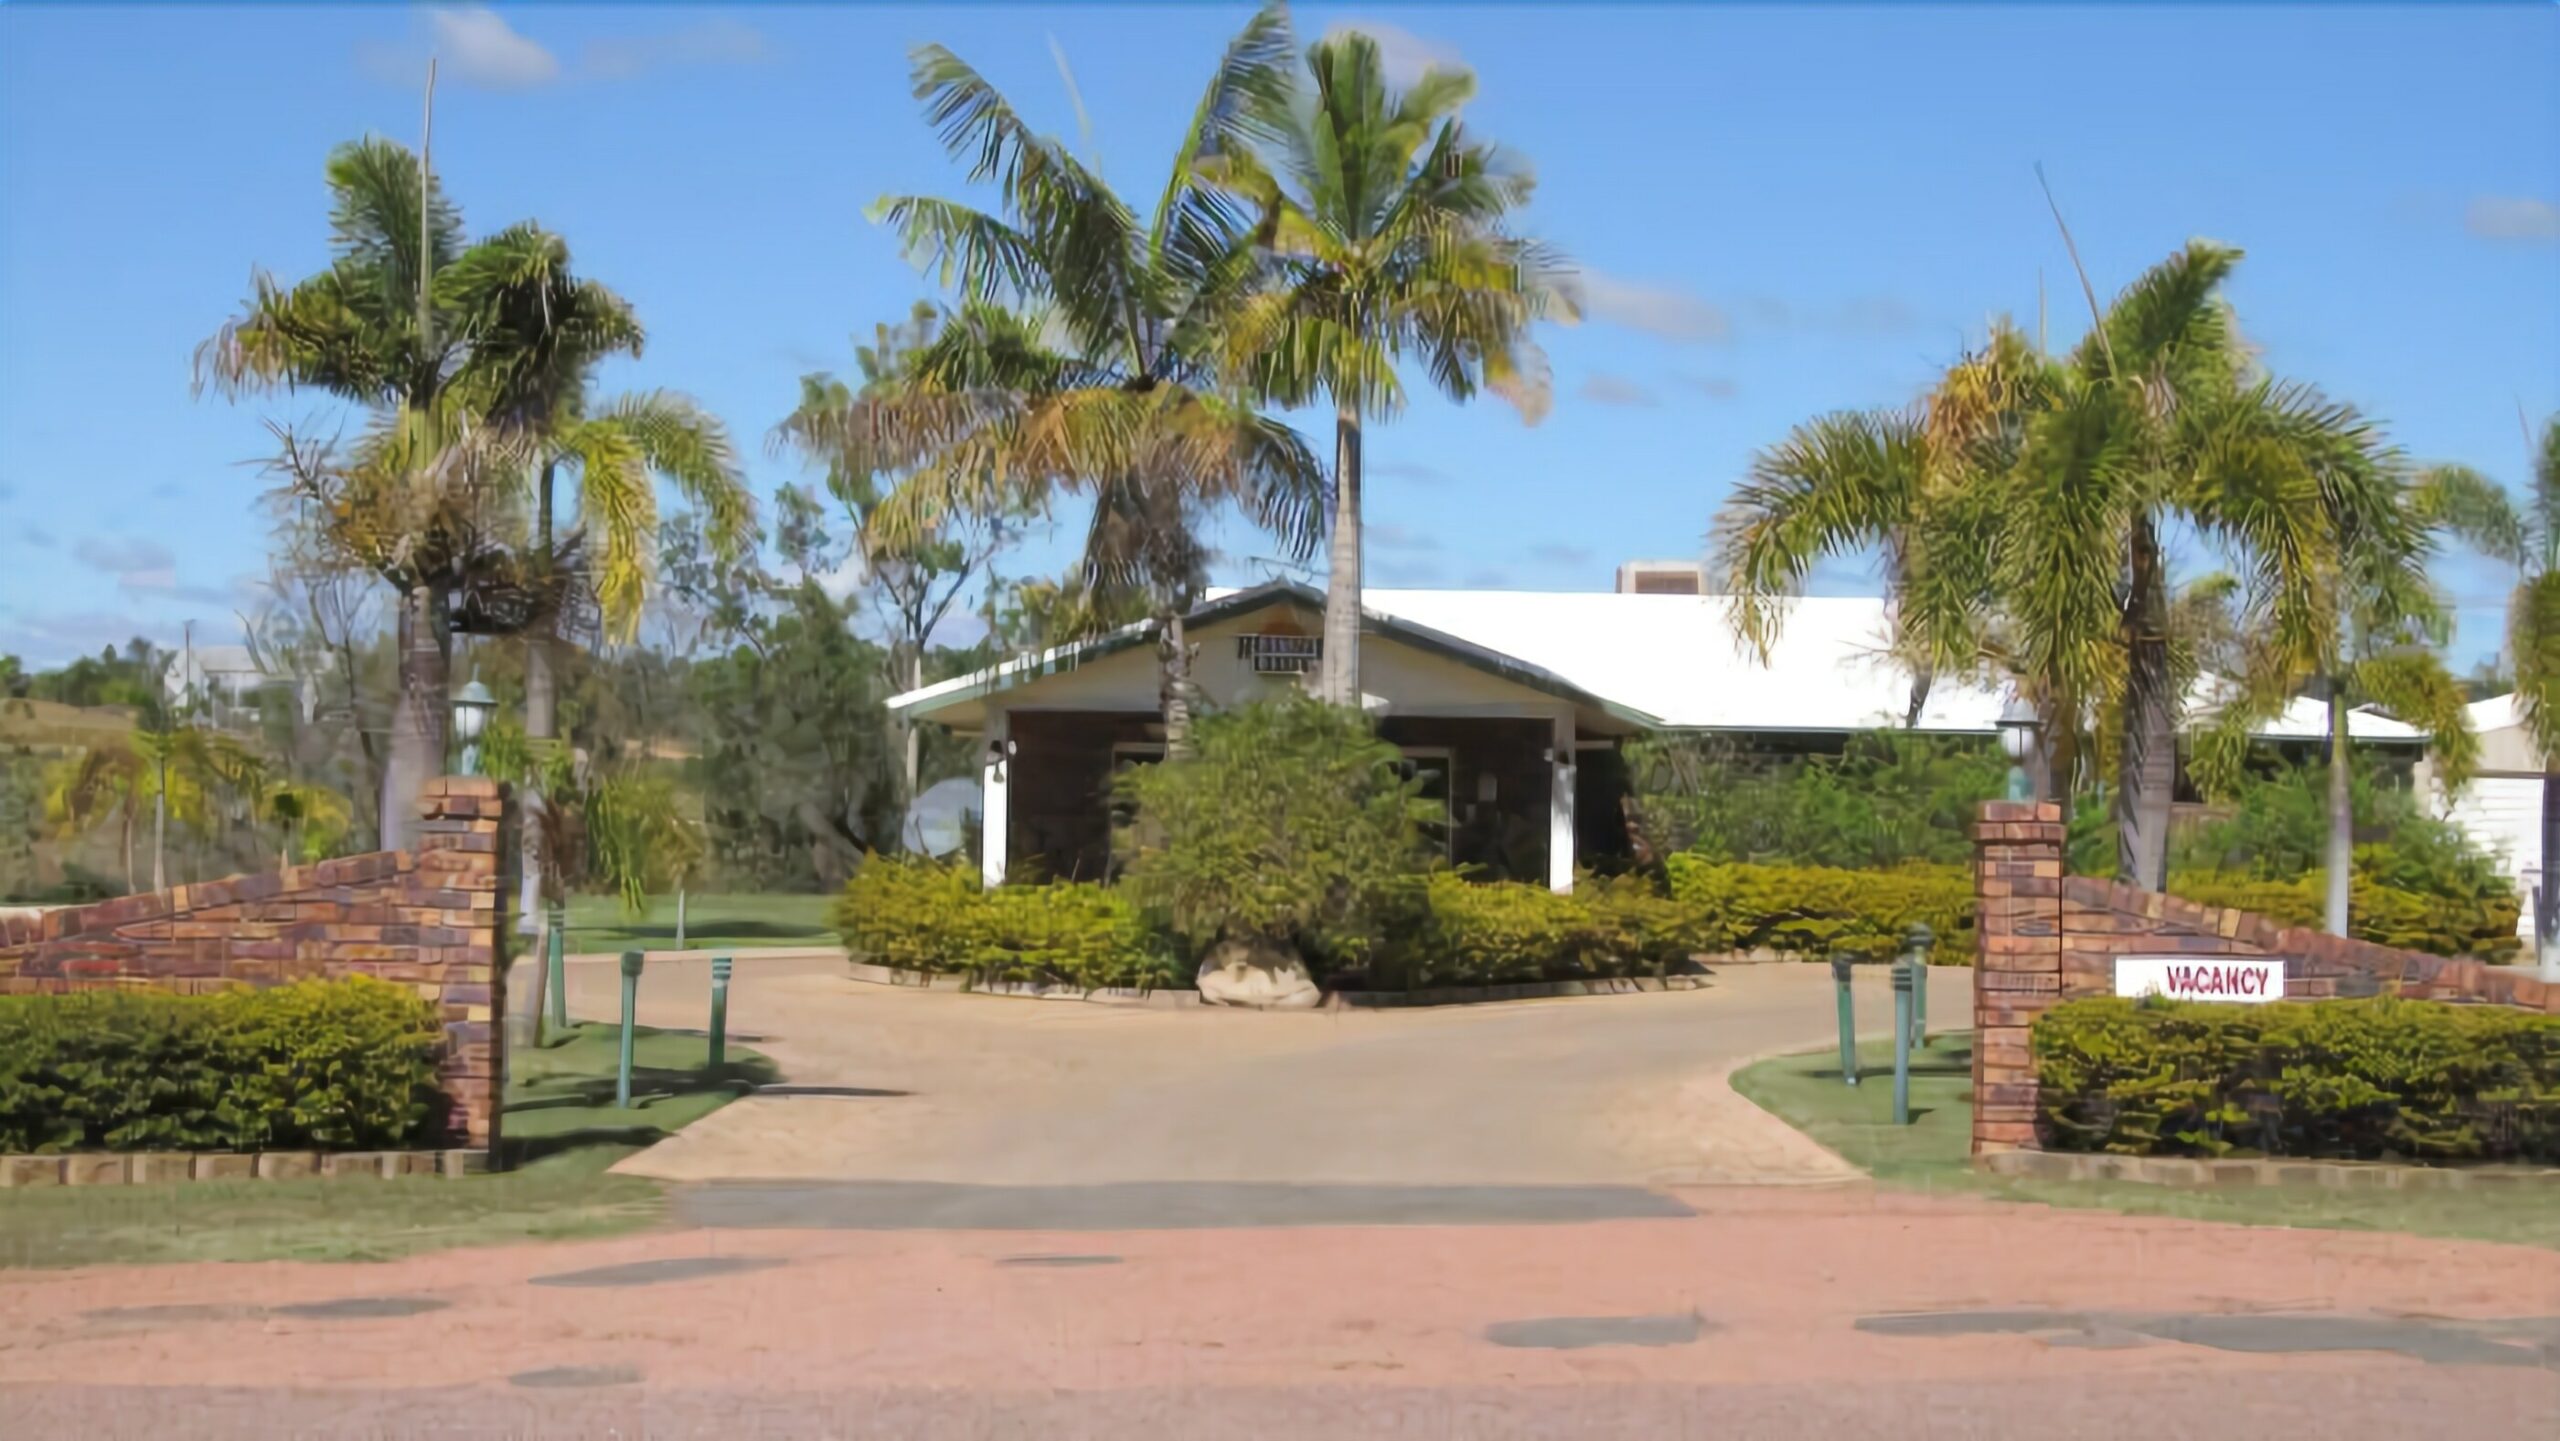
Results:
<point x="2044" y="938"/>
<point x="429" y="920"/>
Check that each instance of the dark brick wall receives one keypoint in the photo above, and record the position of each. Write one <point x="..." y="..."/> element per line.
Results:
<point x="1058" y="791"/>
<point x="429" y="920"/>
<point x="2045" y="938"/>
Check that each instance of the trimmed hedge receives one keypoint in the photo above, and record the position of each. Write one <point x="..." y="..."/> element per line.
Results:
<point x="2481" y="926"/>
<point x="345" y="1065"/>
<point x="922" y="915"/>
<point x="2362" y="1080"/>
<point x="1504" y="932"/>
<point x="1812" y="911"/>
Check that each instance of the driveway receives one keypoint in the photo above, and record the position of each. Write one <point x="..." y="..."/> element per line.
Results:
<point x="897" y="1085"/>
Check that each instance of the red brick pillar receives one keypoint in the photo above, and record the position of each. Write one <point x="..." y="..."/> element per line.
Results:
<point x="2017" y="887"/>
<point x="453" y="896"/>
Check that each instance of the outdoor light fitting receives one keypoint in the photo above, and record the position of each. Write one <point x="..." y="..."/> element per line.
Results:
<point x="471" y="710"/>
<point x="2018" y="725"/>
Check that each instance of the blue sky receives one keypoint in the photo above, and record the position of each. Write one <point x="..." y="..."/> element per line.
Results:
<point x="1779" y="212"/>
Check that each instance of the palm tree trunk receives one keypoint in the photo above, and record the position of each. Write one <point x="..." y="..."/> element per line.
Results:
<point x="418" y="716"/>
<point x="2342" y="820"/>
<point x="1340" y="672"/>
<point x="1173" y="663"/>
<point x="2147" y="763"/>
<point x="127" y="829"/>
<point x="160" y="825"/>
<point x="914" y="734"/>
<point x="1921" y="679"/>
<point x="541" y="723"/>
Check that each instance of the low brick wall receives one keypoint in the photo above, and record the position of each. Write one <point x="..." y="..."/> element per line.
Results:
<point x="2044" y="938"/>
<point x="429" y="920"/>
<point x="153" y="1168"/>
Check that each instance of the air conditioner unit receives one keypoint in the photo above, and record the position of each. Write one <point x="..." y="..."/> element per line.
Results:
<point x="1280" y="654"/>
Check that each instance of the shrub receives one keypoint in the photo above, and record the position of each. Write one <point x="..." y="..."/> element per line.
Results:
<point x="1888" y="798"/>
<point x="1813" y="911"/>
<point x="923" y="915"/>
<point x="2483" y="926"/>
<point x="1493" y="933"/>
<point x="347" y="1065"/>
<point x="1292" y="822"/>
<point x="2364" y="1080"/>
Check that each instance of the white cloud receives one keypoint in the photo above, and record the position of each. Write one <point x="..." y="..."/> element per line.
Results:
<point x="1402" y="55"/>
<point x="476" y="46"/>
<point x="720" y="41"/>
<point x="1713" y="387"/>
<point x="137" y="564"/>
<point x="2512" y="217"/>
<point x="1603" y="388"/>
<point x="1564" y="555"/>
<point x="1387" y="536"/>
<point x="1664" y="310"/>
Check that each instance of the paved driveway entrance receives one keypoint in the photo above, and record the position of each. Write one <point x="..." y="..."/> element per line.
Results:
<point x="897" y="1085"/>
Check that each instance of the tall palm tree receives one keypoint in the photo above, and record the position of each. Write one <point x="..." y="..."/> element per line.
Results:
<point x="473" y="359"/>
<point x="2533" y="646"/>
<point x="110" y="778"/>
<point x="2157" y="418"/>
<point x="1088" y="355"/>
<point x="1385" y="240"/>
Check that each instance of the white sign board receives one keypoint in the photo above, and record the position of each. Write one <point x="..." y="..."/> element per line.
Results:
<point x="2201" y="978"/>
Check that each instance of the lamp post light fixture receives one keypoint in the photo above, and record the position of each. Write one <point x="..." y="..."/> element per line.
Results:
<point x="2018" y="727"/>
<point x="471" y="711"/>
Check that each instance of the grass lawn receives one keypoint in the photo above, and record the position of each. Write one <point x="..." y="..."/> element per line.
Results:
<point x="711" y="922"/>
<point x="1934" y="1154"/>
<point x="561" y="1126"/>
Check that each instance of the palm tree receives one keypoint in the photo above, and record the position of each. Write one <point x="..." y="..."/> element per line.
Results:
<point x="110" y="777"/>
<point x="1855" y="480"/>
<point x="2384" y="523"/>
<point x="2533" y="647"/>
<point x="2060" y="577"/>
<point x="1383" y="228"/>
<point x="1088" y="355"/>
<point x="473" y="358"/>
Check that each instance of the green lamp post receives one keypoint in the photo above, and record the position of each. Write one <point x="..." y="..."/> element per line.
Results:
<point x="471" y="711"/>
<point x="2018" y="741"/>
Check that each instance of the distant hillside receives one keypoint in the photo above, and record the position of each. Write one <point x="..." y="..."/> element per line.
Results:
<point x="51" y="727"/>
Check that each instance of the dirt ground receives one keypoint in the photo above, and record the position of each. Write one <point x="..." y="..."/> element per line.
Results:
<point x="1766" y="1312"/>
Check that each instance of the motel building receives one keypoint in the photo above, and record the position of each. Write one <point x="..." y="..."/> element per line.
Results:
<point x="1510" y="706"/>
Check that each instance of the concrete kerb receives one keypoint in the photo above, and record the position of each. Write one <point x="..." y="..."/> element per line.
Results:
<point x="2189" y="1172"/>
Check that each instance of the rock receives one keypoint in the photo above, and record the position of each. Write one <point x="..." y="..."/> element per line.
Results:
<point x="1257" y="972"/>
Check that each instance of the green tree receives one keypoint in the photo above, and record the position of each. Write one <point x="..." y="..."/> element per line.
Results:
<point x="1384" y="240"/>
<point x="1293" y="828"/>
<point x="2533" y="648"/>
<point x="1090" y="353"/>
<point x="2082" y="463"/>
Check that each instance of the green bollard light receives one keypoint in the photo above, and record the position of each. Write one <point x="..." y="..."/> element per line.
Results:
<point x="1905" y="971"/>
<point x="1916" y="943"/>
<point x="556" y="945"/>
<point x="630" y="1004"/>
<point x="719" y="1011"/>
<point x="1843" y="968"/>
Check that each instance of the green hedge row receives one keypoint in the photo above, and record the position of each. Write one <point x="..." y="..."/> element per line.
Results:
<point x="1500" y="933"/>
<point x="921" y="915"/>
<point x="346" y="1065"/>
<point x="2482" y="926"/>
<point x="2362" y="1080"/>
<point x="1813" y="911"/>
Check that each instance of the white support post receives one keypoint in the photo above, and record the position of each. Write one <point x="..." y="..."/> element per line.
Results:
<point x="1560" y="810"/>
<point x="993" y="836"/>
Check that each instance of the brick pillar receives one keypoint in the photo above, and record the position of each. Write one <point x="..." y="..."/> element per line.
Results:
<point x="2017" y="887"/>
<point x="453" y="898"/>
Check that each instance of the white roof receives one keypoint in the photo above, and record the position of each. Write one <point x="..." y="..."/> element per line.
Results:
<point x="2497" y="713"/>
<point x="1676" y="657"/>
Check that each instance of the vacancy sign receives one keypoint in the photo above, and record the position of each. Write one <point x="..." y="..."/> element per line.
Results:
<point x="2200" y="978"/>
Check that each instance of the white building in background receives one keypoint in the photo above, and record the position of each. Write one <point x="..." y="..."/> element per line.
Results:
<point x="2501" y="807"/>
